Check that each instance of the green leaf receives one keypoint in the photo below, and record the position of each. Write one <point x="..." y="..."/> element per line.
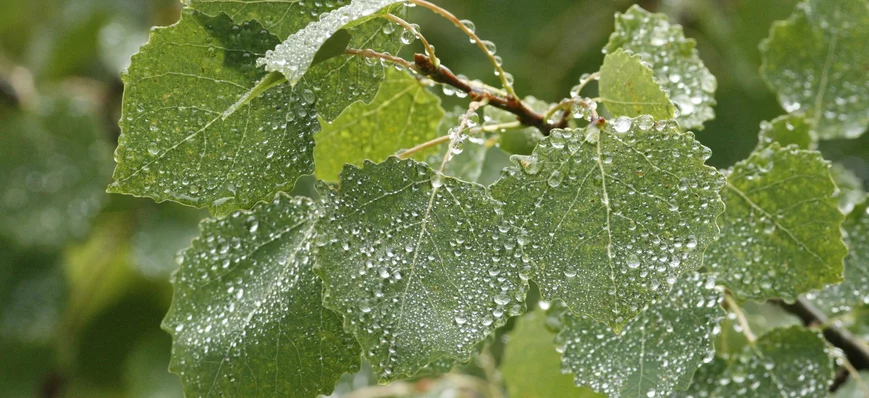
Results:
<point x="416" y="264"/>
<point x="333" y="47"/>
<point x="657" y="353"/>
<point x="203" y="126"/>
<point x="850" y="187"/>
<point x="294" y="56"/>
<point x="145" y="370"/>
<point x="673" y="59"/>
<point x="790" y="129"/>
<point x="790" y="362"/>
<point x="467" y="165"/>
<point x="54" y="164"/>
<point x="610" y="218"/>
<point x="532" y="367"/>
<point x="628" y="88"/>
<point x="281" y="18"/>
<point x="855" y="289"/>
<point x="761" y="317"/>
<point x="705" y="380"/>
<point x="160" y="234"/>
<point x="341" y="81"/>
<point x="247" y="318"/>
<point x="780" y="235"/>
<point x="403" y="115"/>
<point x="816" y="61"/>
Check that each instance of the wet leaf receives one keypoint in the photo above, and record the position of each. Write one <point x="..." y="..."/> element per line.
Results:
<point x="780" y="235"/>
<point x="628" y="88"/>
<point x="610" y="218"/>
<point x="854" y="290"/>
<point x="673" y="59"/>
<point x="247" y="318"/>
<point x="415" y="262"/>
<point x="281" y="18"/>
<point x="790" y="129"/>
<point x="656" y="354"/>
<point x="203" y="126"/>
<point x="532" y="367"/>
<point x="403" y="115"/>
<point x="816" y="61"/>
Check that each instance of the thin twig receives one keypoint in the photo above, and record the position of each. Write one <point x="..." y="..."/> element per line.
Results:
<point x="733" y="306"/>
<point x="476" y="39"/>
<point x="456" y="137"/>
<point x="387" y="57"/>
<point x="410" y="28"/>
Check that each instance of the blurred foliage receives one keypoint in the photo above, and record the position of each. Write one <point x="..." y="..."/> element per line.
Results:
<point x="81" y="304"/>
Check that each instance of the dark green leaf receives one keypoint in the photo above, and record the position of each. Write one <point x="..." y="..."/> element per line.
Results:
<point x="247" y="318"/>
<point x="203" y="126"/>
<point x="333" y="47"/>
<point x="416" y="264"/>
<point x="609" y="218"/>
<point x="281" y="18"/>
<point x="780" y="235"/>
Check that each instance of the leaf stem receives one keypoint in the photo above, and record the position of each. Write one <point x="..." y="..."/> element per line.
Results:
<point x="734" y="307"/>
<point x="446" y="138"/>
<point x="387" y="57"/>
<point x="476" y="39"/>
<point x="410" y="28"/>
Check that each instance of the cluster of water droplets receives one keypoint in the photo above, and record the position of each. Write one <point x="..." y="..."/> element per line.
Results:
<point x="672" y="58"/>
<point x="778" y="237"/>
<point x="623" y="211"/>
<point x="293" y="57"/>
<point x="247" y="300"/>
<point x="416" y="264"/>
<point x="663" y="346"/>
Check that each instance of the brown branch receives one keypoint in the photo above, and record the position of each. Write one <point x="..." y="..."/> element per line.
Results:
<point x="509" y="103"/>
<point x="856" y="351"/>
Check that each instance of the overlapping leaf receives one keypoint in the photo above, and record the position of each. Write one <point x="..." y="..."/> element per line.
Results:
<point x="657" y="353"/>
<point x="403" y="115"/>
<point x="294" y="56"/>
<point x="790" y="129"/>
<point x="610" y="218"/>
<point x="54" y="164"/>
<point x="790" y="362"/>
<point x="673" y="59"/>
<point x="468" y="164"/>
<point x="780" y="235"/>
<point x="197" y="127"/>
<point x="628" y="88"/>
<point x="416" y="264"/>
<point x="532" y="367"/>
<point x="816" y="61"/>
<point x="854" y="290"/>
<point x="281" y="18"/>
<point x="247" y="318"/>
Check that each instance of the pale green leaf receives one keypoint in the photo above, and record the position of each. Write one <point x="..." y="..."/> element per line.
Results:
<point x="161" y="232"/>
<point x="817" y="63"/>
<point x="657" y="353"/>
<point x="403" y="114"/>
<point x="532" y="367"/>
<point x="790" y="129"/>
<point x="790" y="362"/>
<point x="203" y="126"/>
<point x="855" y="387"/>
<point x="850" y="187"/>
<point x="673" y="59"/>
<point x="628" y="88"/>
<point x="281" y="18"/>
<point x="854" y="290"/>
<point x="761" y="318"/>
<point x="780" y="235"/>
<point x="520" y="141"/>
<point x="610" y="218"/>
<point x="54" y="164"/>
<point x="247" y="319"/>
<point x="416" y="264"/>
<point x="294" y="56"/>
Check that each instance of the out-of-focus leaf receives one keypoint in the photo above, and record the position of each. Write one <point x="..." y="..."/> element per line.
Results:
<point x="145" y="371"/>
<point x="532" y="367"/>
<point x="162" y="232"/>
<point x="54" y="163"/>
<point x="817" y="62"/>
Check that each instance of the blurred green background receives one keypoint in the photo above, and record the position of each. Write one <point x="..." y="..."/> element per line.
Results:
<point x="84" y="276"/>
